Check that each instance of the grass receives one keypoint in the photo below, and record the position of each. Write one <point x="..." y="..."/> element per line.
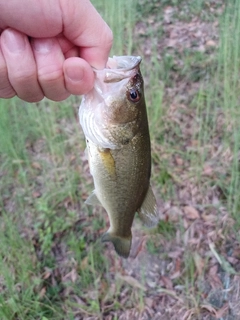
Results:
<point x="52" y="264"/>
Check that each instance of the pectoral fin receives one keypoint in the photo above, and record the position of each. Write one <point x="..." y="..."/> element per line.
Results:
<point x="92" y="200"/>
<point x="148" y="211"/>
<point x="121" y="245"/>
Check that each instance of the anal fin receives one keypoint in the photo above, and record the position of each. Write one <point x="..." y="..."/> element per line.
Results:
<point x="92" y="200"/>
<point x="148" y="211"/>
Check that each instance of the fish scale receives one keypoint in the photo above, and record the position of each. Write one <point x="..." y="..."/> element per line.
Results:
<point x="114" y="120"/>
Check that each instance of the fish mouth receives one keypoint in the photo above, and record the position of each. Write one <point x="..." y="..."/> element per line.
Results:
<point x="124" y="63"/>
<point x="119" y="68"/>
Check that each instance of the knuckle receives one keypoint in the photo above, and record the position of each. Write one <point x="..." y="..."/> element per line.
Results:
<point x="7" y="93"/>
<point x="58" y="96"/>
<point x="31" y="97"/>
<point x="47" y="75"/>
<point x="6" y="90"/>
<point x="23" y="76"/>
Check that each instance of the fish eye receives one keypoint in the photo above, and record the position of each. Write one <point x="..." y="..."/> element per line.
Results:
<point x="134" y="95"/>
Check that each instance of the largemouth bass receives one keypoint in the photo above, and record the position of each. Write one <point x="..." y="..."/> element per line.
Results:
<point x="113" y="117"/>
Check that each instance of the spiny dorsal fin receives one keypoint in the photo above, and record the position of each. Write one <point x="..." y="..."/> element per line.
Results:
<point x="148" y="211"/>
<point x="92" y="200"/>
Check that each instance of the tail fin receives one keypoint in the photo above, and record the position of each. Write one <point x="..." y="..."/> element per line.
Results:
<point x="121" y="245"/>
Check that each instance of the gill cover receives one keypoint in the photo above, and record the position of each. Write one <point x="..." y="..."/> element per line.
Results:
<point x="109" y="91"/>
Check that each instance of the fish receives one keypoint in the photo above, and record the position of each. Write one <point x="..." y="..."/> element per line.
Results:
<point x="114" y="120"/>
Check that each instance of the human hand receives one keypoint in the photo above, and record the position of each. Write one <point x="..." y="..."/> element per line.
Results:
<point x="47" y="48"/>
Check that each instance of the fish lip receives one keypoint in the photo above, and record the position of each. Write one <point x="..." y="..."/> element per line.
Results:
<point x="125" y="63"/>
<point x="119" y="68"/>
<point x="122" y="63"/>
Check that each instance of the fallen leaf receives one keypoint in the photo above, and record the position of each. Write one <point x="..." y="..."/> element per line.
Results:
<point x="167" y="282"/>
<point x="189" y="313"/>
<point x="211" y="43"/>
<point x="179" y="161"/>
<point x="199" y="263"/>
<point x="36" y="165"/>
<point x="191" y="213"/>
<point x="36" y="194"/>
<point x="42" y="292"/>
<point x="149" y="302"/>
<point x="222" y="311"/>
<point x="132" y="281"/>
<point x="137" y="246"/>
<point x="209" y="308"/>
<point x="174" y="213"/>
<point x="47" y="274"/>
<point x="84" y="263"/>
<point x="207" y="170"/>
<point x="175" y="275"/>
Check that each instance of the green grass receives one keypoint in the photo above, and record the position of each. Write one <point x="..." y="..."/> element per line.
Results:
<point x="50" y="251"/>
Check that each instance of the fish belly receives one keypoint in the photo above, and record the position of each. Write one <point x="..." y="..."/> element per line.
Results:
<point x="121" y="180"/>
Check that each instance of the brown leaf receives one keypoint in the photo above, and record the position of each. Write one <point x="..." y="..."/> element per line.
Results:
<point x="175" y="275"/>
<point x="214" y="281"/>
<point x="36" y="194"/>
<point x="36" y="165"/>
<point x="47" y="274"/>
<point x="137" y="247"/>
<point x="167" y="282"/>
<point x="72" y="275"/>
<point x="174" y="213"/>
<point x="189" y="313"/>
<point x="191" y="213"/>
<point x="179" y="161"/>
<point x="208" y="217"/>
<point x="42" y="292"/>
<point x="209" y="308"/>
<point x="222" y="311"/>
<point x="149" y="302"/>
<point x="211" y="43"/>
<point x="199" y="263"/>
<point x="84" y="263"/>
<point x="131" y="281"/>
<point x="208" y="170"/>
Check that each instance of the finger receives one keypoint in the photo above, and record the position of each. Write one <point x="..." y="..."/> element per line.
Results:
<point x="67" y="47"/>
<point x="34" y="18"/>
<point x="78" y="20"/>
<point x="21" y="66"/>
<point x="6" y="90"/>
<point x="92" y="35"/>
<point x="96" y="54"/>
<point x="49" y="58"/>
<point x="74" y="52"/>
<point x="79" y="77"/>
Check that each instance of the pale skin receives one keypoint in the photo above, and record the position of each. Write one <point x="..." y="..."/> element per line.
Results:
<point x="48" y="48"/>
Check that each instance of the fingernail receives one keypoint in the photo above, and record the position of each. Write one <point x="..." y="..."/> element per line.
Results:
<point x="42" y="45"/>
<point x="14" y="41"/>
<point x="74" y="73"/>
